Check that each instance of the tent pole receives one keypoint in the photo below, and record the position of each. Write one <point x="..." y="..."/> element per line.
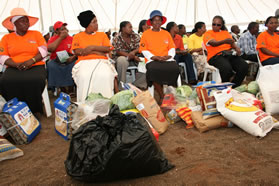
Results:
<point x="115" y="16"/>
<point x="41" y="16"/>
<point x="195" y="11"/>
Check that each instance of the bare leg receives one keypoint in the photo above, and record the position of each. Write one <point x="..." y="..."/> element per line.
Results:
<point x="116" y="89"/>
<point x="159" y="89"/>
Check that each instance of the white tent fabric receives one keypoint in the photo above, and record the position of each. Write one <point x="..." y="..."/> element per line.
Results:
<point x="111" y="12"/>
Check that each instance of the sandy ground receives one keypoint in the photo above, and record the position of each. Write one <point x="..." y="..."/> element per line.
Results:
<point x="226" y="156"/>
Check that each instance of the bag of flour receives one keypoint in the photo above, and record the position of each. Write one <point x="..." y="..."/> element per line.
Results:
<point x="243" y="114"/>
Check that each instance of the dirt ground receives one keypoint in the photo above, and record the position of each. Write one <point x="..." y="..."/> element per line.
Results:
<point x="226" y="156"/>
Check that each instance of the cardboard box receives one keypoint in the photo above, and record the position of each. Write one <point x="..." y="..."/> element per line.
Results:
<point x="64" y="110"/>
<point x="19" y="121"/>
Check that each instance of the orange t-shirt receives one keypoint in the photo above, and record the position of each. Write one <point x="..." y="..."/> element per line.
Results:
<point x="178" y="42"/>
<point x="83" y="40"/>
<point x="158" y="43"/>
<point x="22" y="48"/>
<point x="265" y="40"/>
<point x="218" y="36"/>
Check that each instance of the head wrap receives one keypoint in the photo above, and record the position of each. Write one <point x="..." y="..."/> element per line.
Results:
<point x="85" y="18"/>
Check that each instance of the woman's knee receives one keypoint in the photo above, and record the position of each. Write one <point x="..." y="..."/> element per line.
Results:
<point x="122" y="61"/>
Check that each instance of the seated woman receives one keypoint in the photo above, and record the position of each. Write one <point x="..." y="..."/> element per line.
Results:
<point x="22" y="51"/>
<point x="158" y="48"/>
<point x="60" y="72"/>
<point x="182" y="55"/>
<point x="195" y="46"/>
<point x="219" y="44"/>
<point x="268" y="43"/>
<point x="143" y="26"/>
<point x="126" y="46"/>
<point x="92" y="72"/>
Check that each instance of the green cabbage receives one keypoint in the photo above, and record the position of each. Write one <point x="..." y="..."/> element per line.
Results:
<point x="184" y="91"/>
<point x="253" y="87"/>
<point x="123" y="99"/>
<point x="242" y="88"/>
<point x="93" y="96"/>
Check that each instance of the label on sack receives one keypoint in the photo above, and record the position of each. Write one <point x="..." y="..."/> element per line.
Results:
<point x="26" y="120"/>
<point x="61" y="121"/>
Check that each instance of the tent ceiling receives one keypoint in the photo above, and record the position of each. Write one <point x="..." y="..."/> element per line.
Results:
<point x="111" y="12"/>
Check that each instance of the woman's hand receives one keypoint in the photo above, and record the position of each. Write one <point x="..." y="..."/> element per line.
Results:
<point x="137" y="59"/>
<point x="165" y="58"/>
<point x="156" y="58"/>
<point x="86" y="51"/>
<point x="25" y="65"/>
<point x="71" y="59"/>
<point x="131" y="56"/>
<point x="238" y="51"/>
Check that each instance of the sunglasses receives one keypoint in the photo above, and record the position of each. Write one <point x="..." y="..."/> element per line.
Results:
<point x="213" y="24"/>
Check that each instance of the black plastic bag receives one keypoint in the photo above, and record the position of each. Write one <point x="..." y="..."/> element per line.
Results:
<point x="114" y="147"/>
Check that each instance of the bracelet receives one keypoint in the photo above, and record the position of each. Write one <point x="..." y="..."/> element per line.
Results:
<point x="34" y="59"/>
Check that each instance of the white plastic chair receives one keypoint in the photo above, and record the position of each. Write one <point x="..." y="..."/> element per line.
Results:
<point x="185" y="71"/>
<point x="210" y="69"/>
<point x="151" y="89"/>
<point x="133" y="72"/>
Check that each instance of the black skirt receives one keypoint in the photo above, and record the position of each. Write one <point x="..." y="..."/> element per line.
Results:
<point x="162" y="72"/>
<point x="25" y="85"/>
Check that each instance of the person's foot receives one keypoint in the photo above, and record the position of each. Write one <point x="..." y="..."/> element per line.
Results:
<point x="193" y="82"/>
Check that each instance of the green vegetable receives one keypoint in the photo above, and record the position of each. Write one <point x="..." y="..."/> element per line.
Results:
<point x="253" y="87"/>
<point x="93" y="96"/>
<point x="184" y="91"/>
<point x="242" y="88"/>
<point x="194" y="94"/>
<point x="123" y="99"/>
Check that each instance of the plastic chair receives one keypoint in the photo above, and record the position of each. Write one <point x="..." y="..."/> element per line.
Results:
<point x="253" y="67"/>
<point x="133" y="72"/>
<point x="46" y="102"/>
<point x="182" y="64"/>
<point x="151" y="89"/>
<point x="210" y="69"/>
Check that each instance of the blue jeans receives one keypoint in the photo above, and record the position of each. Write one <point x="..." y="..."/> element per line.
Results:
<point x="187" y="59"/>
<point x="271" y="61"/>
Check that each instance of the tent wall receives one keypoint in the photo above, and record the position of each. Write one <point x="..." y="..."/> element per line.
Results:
<point x="111" y="12"/>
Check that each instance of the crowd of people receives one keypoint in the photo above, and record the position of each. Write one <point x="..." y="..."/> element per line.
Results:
<point x="82" y="64"/>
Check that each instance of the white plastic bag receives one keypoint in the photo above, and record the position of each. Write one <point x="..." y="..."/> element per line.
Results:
<point x="245" y="115"/>
<point x="89" y="110"/>
<point x="267" y="79"/>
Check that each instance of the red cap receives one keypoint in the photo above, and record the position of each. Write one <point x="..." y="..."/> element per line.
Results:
<point x="58" y="24"/>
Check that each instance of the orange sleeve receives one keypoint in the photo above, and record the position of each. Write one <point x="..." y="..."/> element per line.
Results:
<point x="207" y="37"/>
<point x="3" y="46"/>
<point x="261" y="41"/>
<point x="106" y="41"/>
<point x="143" y="43"/>
<point x="75" y="43"/>
<point x="40" y="39"/>
<point x="171" y="43"/>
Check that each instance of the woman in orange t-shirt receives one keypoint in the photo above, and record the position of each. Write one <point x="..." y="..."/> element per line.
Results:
<point x="219" y="44"/>
<point x="182" y="55"/>
<point x="22" y="52"/>
<point x="158" y="48"/>
<point x="93" y="72"/>
<point x="268" y="43"/>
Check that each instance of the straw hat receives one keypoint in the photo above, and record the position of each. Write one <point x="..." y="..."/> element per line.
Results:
<point x="18" y="12"/>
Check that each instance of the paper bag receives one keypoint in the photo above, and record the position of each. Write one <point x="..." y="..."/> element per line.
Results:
<point x="212" y="123"/>
<point x="149" y="109"/>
